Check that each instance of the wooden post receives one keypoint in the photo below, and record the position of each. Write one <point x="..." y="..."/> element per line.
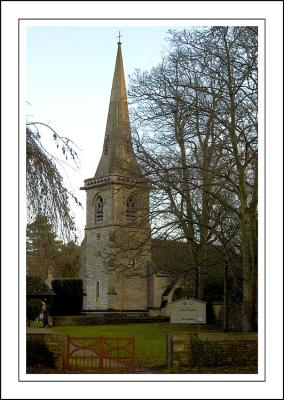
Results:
<point x="133" y="353"/>
<point x="170" y="357"/>
<point x="101" y="353"/>
<point x="65" y="352"/>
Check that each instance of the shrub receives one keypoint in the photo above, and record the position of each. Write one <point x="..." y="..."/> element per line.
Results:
<point x="39" y="354"/>
<point x="34" y="308"/>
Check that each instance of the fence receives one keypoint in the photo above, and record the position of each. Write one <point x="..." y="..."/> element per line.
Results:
<point x="89" y="353"/>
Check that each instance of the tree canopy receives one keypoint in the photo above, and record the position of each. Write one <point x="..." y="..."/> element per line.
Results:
<point x="47" y="254"/>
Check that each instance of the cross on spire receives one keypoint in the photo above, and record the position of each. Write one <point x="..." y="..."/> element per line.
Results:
<point x="119" y="36"/>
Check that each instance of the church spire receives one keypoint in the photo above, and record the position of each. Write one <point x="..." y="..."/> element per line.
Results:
<point x="118" y="157"/>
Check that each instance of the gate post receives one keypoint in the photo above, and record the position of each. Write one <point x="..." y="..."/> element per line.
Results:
<point x="101" y="352"/>
<point x="65" y="352"/>
<point x="133" y="352"/>
<point x="169" y="351"/>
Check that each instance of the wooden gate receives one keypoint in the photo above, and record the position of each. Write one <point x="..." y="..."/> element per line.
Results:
<point x="99" y="353"/>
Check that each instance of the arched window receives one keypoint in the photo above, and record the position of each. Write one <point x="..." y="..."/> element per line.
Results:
<point x="130" y="209"/>
<point x="99" y="209"/>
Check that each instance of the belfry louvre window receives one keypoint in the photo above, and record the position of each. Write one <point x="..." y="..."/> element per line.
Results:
<point x="99" y="209"/>
<point x="106" y="144"/>
<point x="130" y="209"/>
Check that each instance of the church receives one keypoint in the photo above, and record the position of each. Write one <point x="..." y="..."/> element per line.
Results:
<point x="118" y="269"/>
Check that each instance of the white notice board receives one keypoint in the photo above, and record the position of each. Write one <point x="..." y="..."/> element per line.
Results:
<point x="188" y="311"/>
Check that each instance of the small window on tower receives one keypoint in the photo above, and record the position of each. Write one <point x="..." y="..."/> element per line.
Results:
<point x="98" y="290"/>
<point x="130" y="209"/>
<point x="99" y="209"/>
<point x="106" y="144"/>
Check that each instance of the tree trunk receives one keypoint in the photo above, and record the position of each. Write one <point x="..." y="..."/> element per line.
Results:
<point x="254" y="266"/>
<point x="248" y="298"/>
<point x="226" y="311"/>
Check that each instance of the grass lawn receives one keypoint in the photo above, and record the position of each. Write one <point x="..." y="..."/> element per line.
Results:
<point x="150" y="338"/>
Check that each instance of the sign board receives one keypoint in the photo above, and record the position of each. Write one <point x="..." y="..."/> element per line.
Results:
<point x="188" y="311"/>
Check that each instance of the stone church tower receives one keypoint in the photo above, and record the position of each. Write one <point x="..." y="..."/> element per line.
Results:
<point x="115" y="253"/>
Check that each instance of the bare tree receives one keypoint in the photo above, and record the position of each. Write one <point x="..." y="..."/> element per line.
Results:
<point x="198" y="113"/>
<point x="230" y="56"/>
<point x="177" y="151"/>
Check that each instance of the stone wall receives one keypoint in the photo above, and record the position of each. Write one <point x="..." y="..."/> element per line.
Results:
<point x="45" y="348"/>
<point x="106" y="318"/>
<point x="224" y="353"/>
<point x="181" y="350"/>
<point x="193" y="351"/>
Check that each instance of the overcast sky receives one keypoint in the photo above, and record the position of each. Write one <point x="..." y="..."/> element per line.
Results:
<point x="69" y="76"/>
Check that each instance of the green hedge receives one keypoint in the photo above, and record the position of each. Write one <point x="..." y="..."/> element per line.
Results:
<point x="68" y="299"/>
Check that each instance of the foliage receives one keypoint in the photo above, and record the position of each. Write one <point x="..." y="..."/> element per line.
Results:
<point x="69" y="296"/>
<point x="45" y="190"/>
<point x="34" y="308"/>
<point x="46" y="253"/>
<point x="39" y="354"/>
<point x="41" y="246"/>
<point x="67" y="260"/>
<point x="214" y="288"/>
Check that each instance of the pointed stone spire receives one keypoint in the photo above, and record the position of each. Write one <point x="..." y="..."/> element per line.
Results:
<point x="118" y="157"/>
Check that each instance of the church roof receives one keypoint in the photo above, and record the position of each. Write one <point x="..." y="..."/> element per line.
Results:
<point x="117" y="156"/>
<point x="171" y="256"/>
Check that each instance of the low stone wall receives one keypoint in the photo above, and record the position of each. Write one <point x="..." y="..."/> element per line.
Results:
<point x="224" y="353"/>
<point x="104" y="318"/>
<point x="45" y="348"/>
<point x="193" y="351"/>
<point x="181" y="350"/>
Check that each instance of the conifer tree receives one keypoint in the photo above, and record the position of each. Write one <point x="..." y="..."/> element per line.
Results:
<point x="42" y="247"/>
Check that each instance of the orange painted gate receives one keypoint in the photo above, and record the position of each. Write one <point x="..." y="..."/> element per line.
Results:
<point x="99" y="353"/>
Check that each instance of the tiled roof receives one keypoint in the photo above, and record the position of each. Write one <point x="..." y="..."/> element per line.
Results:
<point x="170" y="256"/>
